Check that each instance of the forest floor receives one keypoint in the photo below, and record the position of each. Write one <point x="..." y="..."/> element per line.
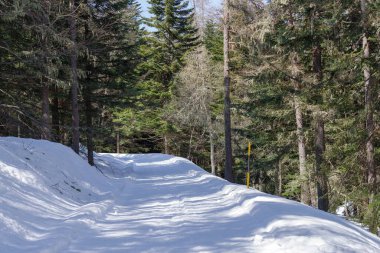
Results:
<point x="51" y="200"/>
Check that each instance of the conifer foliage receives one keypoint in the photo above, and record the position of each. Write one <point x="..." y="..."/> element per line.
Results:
<point x="173" y="35"/>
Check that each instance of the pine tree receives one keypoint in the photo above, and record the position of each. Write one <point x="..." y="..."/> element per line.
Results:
<point x="112" y="36"/>
<point x="228" y="173"/>
<point x="173" y="36"/>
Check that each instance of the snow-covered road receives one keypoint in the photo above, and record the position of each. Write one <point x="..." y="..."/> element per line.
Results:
<point x="52" y="201"/>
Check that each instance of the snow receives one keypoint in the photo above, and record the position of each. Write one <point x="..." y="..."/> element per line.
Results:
<point x="51" y="201"/>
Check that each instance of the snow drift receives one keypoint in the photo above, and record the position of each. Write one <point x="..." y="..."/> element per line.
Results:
<point x="51" y="200"/>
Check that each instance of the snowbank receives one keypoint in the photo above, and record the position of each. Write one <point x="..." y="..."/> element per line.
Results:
<point x="52" y="201"/>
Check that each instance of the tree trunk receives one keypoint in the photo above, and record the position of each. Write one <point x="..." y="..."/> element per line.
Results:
<point x="190" y="143"/>
<point x="89" y="130"/>
<point x="166" y="145"/>
<point x="261" y="185"/>
<point x="46" y="126"/>
<point x="55" y="115"/>
<point x="74" y="77"/>
<point x="368" y="86"/>
<point x="321" y="177"/>
<point x="322" y="186"/>
<point x="278" y="179"/>
<point x="118" y="142"/>
<point x="18" y="126"/>
<point x="227" y="101"/>
<point x="212" y="154"/>
<point x="305" y="191"/>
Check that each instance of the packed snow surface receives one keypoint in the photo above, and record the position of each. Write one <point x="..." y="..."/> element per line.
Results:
<point x="52" y="201"/>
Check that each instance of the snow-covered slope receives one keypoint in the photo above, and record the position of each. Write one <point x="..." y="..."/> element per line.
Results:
<point x="52" y="201"/>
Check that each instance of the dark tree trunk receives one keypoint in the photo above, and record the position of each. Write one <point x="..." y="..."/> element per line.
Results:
<point x="18" y="126"/>
<point x="368" y="86"/>
<point x="317" y="62"/>
<point x="118" y="142"/>
<point x="46" y="126"/>
<point x="89" y="130"/>
<point x="55" y="115"/>
<point x="322" y="186"/>
<point x="227" y="100"/>
<point x="74" y="77"/>
<point x="322" y="182"/>
<point x="278" y="178"/>
<point x="87" y="95"/>
<point x="212" y="154"/>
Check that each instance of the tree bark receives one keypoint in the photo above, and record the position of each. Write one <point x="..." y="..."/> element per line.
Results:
<point x="118" y="142"/>
<point x="46" y="126"/>
<point x="166" y="145"/>
<point x="305" y="191"/>
<point x="227" y="100"/>
<point x="190" y="143"/>
<point x="368" y="86"/>
<point x="18" y="126"/>
<point x="212" y="154"/>
<point x="89" y="130"/>
<point x="322" y="186"/>
<point x="74" y="77"/>
<point x="278" y="178"/>
<point x="55" y="115"/>
<point x="320" y="173"/>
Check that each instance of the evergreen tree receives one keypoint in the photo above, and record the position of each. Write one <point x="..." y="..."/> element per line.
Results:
<point x="173" y="36"/>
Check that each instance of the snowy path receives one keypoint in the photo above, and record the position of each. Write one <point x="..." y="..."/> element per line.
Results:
<point x="150" y="203"/>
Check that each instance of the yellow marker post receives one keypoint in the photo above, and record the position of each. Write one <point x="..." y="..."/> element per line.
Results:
<point x="248" y="178"/>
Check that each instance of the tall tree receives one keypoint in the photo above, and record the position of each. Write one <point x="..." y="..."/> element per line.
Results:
<point x="173" y="36"/>
<point x="320" y="170"/>
<point x="111" y="36"/>
<point x="369" y="90"/>
<point x="227" y="90"/>
<point x="73" y="5"/>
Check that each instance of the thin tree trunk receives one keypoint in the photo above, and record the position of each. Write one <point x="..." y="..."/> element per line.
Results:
<point x="313" y="189"/>
<point x="212" y="154"/>
<point x="55" y="115"/>
<point x="118" y="142"/>
<point x="305" y="191"/>
<point x="65" y="120"/>
<point x="227" y="100"/>
<point x="89" y="130"/>
<point x="74" y="77"/>
<point x="278" y="179"/>
<point x="87" y="94"/>
<point x="46" y="126"/>
<point x="261" y="185"/>
<point x="166" y="145"/>
<point x="368" y="86"/>
<point x="279" y="193"/>
<point x="190" y="142"/>
<point x="322" y="186"/>
<point x="18" y="126"/>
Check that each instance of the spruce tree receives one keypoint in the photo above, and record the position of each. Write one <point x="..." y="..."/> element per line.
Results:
<point x="173" y="35"/>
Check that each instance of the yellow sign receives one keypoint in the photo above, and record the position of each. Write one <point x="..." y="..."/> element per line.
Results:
<point x="248" y="179"/>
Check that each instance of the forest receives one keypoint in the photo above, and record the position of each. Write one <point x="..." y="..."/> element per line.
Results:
<point x="297" y="79"/>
